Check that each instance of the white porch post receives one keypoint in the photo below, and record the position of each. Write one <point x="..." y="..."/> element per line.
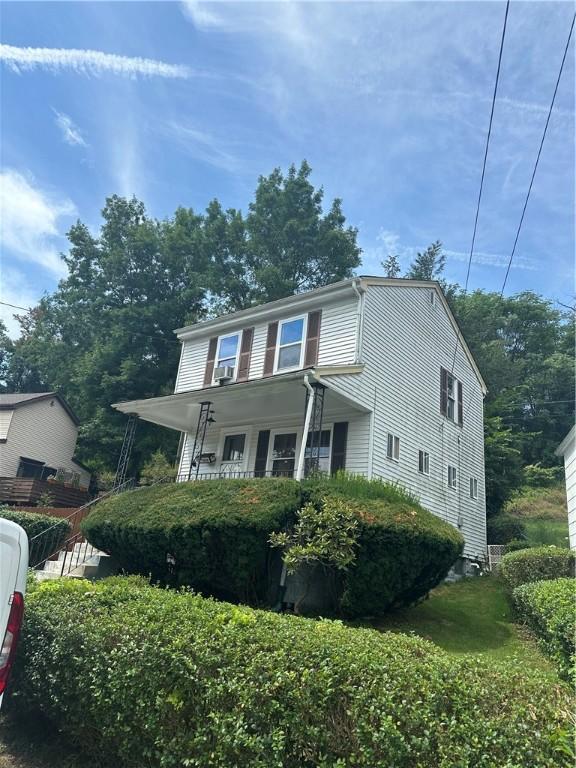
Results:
<point x="301" y="455"/>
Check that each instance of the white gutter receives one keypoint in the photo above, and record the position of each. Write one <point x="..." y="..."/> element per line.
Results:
<point x="359" y="318"/>
<point x="300" y="467"/>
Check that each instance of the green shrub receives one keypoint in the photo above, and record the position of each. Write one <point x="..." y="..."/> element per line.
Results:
<point x="548" y="608"/>
<point x="167" y="679"/>
<point x="403" y="552"/>
<point x="537" y="476"/>
<point x="539" y="503"/>
<point x="517" y="544"/>
<point x="504" y="528"/>
<point x="536" y="564"/>
<point x="216" y="530"/>
<point x="56" y="531"/>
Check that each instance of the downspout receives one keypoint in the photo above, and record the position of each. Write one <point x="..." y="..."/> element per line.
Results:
<point x="359" y="322"/>
<point x="300" y="467"/>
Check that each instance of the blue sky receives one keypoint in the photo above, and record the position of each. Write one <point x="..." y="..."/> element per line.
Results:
<point x="179" y="103"/>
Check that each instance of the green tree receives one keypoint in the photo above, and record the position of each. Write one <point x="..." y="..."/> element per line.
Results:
<point x="391" y="266"/>
<point x="292" y="245"/>
<point x="429" y="264"/>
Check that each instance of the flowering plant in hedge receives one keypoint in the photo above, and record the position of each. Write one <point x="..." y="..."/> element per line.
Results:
<point x="170" y="679"/>
<point x="536" y="564"/>
<point x="548" y="608"/>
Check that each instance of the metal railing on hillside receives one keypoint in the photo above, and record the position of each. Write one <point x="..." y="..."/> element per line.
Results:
<point x="48" y="544"/>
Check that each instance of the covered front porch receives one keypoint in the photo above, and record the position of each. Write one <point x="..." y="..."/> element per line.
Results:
<point x="287" y="426"/>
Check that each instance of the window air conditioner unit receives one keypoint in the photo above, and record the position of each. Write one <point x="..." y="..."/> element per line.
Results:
<point x="223" y="373"/>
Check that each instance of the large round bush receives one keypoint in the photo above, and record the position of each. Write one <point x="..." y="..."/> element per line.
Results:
<point x="157" y="678"/>
<point x="536" y="564"/>
<point x="211" y="535"/>
<point x="404" y="551"/>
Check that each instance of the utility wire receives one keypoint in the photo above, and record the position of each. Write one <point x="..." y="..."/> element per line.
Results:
<point x="538" y="156"/>
<point x="480" y="190"/>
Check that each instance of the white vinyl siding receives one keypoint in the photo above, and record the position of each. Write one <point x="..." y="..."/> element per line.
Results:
<point x="44" y="433"/>
<point x="406" y="340"/>
<point x="5" y="419"/>
<point x="337" y="344"/>
<point x="569" y="453"/>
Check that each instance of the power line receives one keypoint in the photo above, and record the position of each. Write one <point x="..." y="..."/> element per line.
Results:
<point x="488" y="135"/>
<point x="538" y="155"/>
<point x="15" y="306"/>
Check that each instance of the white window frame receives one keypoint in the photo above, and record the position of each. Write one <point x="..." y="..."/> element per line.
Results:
<point x="425" y="456"/>
<point x="451" y="400"/>
<point x="394" y="454"/>
<point x="452" y="477"/>
<point x="304" y="318"/>
<point x="247" y="431"/>
<point x="473" y="487"/>
<point x="325" y="428"/>
<point x="238" y="334"/>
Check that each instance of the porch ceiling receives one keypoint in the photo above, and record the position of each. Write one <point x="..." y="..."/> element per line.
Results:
<point x="273" y="398"/>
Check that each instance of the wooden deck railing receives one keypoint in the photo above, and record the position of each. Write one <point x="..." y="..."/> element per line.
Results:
<point x="27" y="491"/>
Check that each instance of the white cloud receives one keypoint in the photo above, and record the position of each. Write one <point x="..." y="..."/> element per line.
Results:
<point x="494" y="259"/>
<point x="204" y="146"/>
<point x="70" y="131"/>
<point x="29" y="221"/>
<point x="87" y="62"/>
<point x="16" y="290"/>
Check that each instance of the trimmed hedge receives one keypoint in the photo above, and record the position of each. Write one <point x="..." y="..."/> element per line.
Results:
<point x="536" y="564"/>
<point x="403" y="552"/>
<point x="218" y="533"/>
<point x="35" y="524"/>
<point x="502" y="529"/>
<point x="548" y="608"/>
<point x="216" y="530"/>
<point x="169" y="679"/>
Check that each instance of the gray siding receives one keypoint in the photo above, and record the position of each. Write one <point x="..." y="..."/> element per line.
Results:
<point x="406" y="340"/>
<point x="570" y="468"/>
<point x="337" y="344"/>
<point x="42" y="432"/>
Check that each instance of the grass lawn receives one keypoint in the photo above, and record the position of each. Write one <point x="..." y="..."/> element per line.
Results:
<point x="540" y="532"/>
<point x="471" y="616"/>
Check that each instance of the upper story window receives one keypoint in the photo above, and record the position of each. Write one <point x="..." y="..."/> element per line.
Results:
<point x="227" y="352"/>
<point x="451" y="397"/>
<point x="291" y="335"/>
<point x="473" y="487"/>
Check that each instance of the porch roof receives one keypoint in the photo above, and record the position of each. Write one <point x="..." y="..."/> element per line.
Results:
<point x="279" y="396"/>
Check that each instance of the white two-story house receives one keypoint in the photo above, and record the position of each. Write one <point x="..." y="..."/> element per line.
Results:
<point x="370" y="375"/>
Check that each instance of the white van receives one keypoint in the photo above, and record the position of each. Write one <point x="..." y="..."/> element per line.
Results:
<point x="13" y="572"/>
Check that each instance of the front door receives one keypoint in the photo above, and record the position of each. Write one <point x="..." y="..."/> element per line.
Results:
<point x="282" y="457"/>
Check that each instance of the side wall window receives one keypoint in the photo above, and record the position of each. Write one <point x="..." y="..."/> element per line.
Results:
<point x="393" y="447"/>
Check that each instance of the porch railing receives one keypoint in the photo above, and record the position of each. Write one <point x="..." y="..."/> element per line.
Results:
<point x="234" y="475"/>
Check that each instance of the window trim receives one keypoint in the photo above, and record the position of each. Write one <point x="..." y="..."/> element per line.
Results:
<point x="283" y="431"/>
<point x="393" y="455"/>
<point x="425" y="456"/>
<point x="241" y="430"/>
<point x="474" y="488"/>
<point x="325" y="428"/>
<point x="453" y="485"/>
<point x="238" y="335"/>
<point x="279" y="346"/>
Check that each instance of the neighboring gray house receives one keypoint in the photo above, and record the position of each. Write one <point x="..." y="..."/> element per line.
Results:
<point x="38" y="434"/>
<point x="370" y="374"/>
<point x="567" y="449"/>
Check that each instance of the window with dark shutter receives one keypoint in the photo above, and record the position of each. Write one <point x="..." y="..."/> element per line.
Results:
<point x="460" y="405"/>
<point x="261" y="453"/>
<point x="209" y="371"/>
<point x="339" y="440"/>
<point x="270" y="349"/>
<point x="245" y="354"/>
<point x="443" y="391"/>
<point x="312" y="338"/>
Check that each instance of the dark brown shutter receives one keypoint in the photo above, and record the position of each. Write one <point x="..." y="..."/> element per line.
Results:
<point x="209" y="372"/>
<point x="460" y="405"/>
<point x="270" y="349"/>
<point x="312" y="338"/>
<point x="245" y="354"/>
<point x="261" y="453"/>
<point x="339" y="440"/>
<point x="443" y="391"/>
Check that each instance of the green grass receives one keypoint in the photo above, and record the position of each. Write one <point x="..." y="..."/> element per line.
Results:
<point x="471" y="616"/>
<point x="540" y="532"/>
